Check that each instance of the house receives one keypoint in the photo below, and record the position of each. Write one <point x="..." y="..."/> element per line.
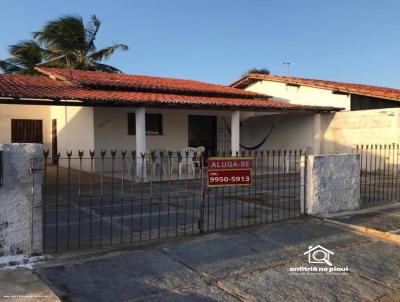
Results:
<point x="90" y="113"/>
<point x="371" y="114"/>
<point x="319" y="92"/>
<point x="85" y="110"/>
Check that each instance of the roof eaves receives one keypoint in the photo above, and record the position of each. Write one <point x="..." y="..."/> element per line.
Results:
<point x="247" y="80"/>
<point x="244" y="81"/>
<point x="162" y="103"/>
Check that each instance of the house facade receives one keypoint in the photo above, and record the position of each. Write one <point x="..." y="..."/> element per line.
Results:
<point x="83" y="110"/>
<point x="80" y="110"/>
<point x="303" y="91"/>
<point x="370" y="114"/>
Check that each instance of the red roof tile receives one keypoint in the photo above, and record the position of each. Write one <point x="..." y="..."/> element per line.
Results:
<point x="361" y="89"/>
<point x="39" y="87"/>
<point x="145" y="83"/>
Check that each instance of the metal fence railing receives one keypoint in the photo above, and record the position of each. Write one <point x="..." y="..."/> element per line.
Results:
<point x="276" y="193"/>
<point x="379" y="173"/>
<point x="91" y="200"/>
<point x="1" y="168"/>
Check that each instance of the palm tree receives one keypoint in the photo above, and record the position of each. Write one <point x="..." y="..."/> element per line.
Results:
<point x="25" y="55"/>
<point x="67" y="42"/>
<point x="256" y="70"/>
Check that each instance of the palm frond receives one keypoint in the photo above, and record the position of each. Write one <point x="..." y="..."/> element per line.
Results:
<point x="7" y="67"/>
<point x="26" y="54"/>
<point x="104" y="68"/>
<point x="105" y="53"/>
<point x="66" y="33"/>
<point x="28" y="50"/>
<point x="91" y="31"/>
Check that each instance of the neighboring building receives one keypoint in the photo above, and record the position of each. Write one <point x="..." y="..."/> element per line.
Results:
<point x="349" y="96"/>
<point x="371" y="115"/>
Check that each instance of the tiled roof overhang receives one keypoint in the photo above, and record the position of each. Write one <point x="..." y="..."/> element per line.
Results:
<point x="126" y="82"/>
<point x="336" y="87"/>
<point x="18" y="89"/>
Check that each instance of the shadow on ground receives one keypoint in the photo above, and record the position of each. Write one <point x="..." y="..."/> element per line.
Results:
<point x="247" y="264"/>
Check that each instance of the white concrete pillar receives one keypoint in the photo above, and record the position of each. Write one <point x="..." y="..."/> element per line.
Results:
<point x="318" y="139"/>
<point x="332" y="184"/>
<point x="235" y="132"/>
<point x="140" y="118"/>
<point x="21" y="199"/>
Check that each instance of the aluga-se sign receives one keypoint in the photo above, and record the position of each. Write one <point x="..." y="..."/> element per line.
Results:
<point x="229" y="171"/>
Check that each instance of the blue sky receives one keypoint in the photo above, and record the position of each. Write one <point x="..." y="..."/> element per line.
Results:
<point x="217" y="40"/>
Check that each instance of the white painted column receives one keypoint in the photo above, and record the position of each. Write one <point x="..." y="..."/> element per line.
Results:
<point x="140" y="118"/>
<point x="318" y="139"/>
<point x="235" y="132"/>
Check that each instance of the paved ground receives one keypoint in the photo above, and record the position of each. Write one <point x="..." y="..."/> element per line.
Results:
<point x="251" y="264"/>
<point x="387" y="220"/>
<point x="23" y="285"/>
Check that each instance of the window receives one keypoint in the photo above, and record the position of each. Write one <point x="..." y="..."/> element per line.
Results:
<point x="153" y="124"/>
<point x="131" y="124"/>
<point x="26" y="131"/>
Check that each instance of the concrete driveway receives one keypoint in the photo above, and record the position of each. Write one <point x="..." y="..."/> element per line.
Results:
<point x="251" y="264"/>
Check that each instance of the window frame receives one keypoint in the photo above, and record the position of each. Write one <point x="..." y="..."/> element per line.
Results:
<point x="20" y="131"/>
<point x="132" y="124"/>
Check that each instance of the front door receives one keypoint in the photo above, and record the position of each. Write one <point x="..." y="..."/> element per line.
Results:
<point x="203" y="132"/>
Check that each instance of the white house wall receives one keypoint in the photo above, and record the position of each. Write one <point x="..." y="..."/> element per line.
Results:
<point x="343" y="130"/>
<point x="292" y="131"/>
<point x="8" y="112"/>
<point x="302" y="95"/>
<point x="111" y="132"/>
<point x="107" y="128"/>
<point x="75" y="131"/>
<point x="111" y="128"/>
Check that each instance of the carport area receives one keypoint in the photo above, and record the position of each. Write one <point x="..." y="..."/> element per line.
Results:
<point x="251" y="264"/>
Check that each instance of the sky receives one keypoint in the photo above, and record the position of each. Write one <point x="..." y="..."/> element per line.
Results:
<point x="218" y="40"/>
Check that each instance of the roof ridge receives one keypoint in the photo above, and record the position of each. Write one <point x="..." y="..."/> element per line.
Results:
<point x="44" y="70"/>
<point x="327" y="81"/>
<point x="144" y="83"/>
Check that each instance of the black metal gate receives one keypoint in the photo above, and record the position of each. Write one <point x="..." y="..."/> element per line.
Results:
<point x="94" y="200"/>
<point x="379" y="173"/>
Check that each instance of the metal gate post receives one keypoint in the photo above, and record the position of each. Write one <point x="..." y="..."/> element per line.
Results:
<point x="303" y="182"/>
<point x="201" y="220"/>
<point x="37" y="208"/>
<point x="32" y="172"/>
